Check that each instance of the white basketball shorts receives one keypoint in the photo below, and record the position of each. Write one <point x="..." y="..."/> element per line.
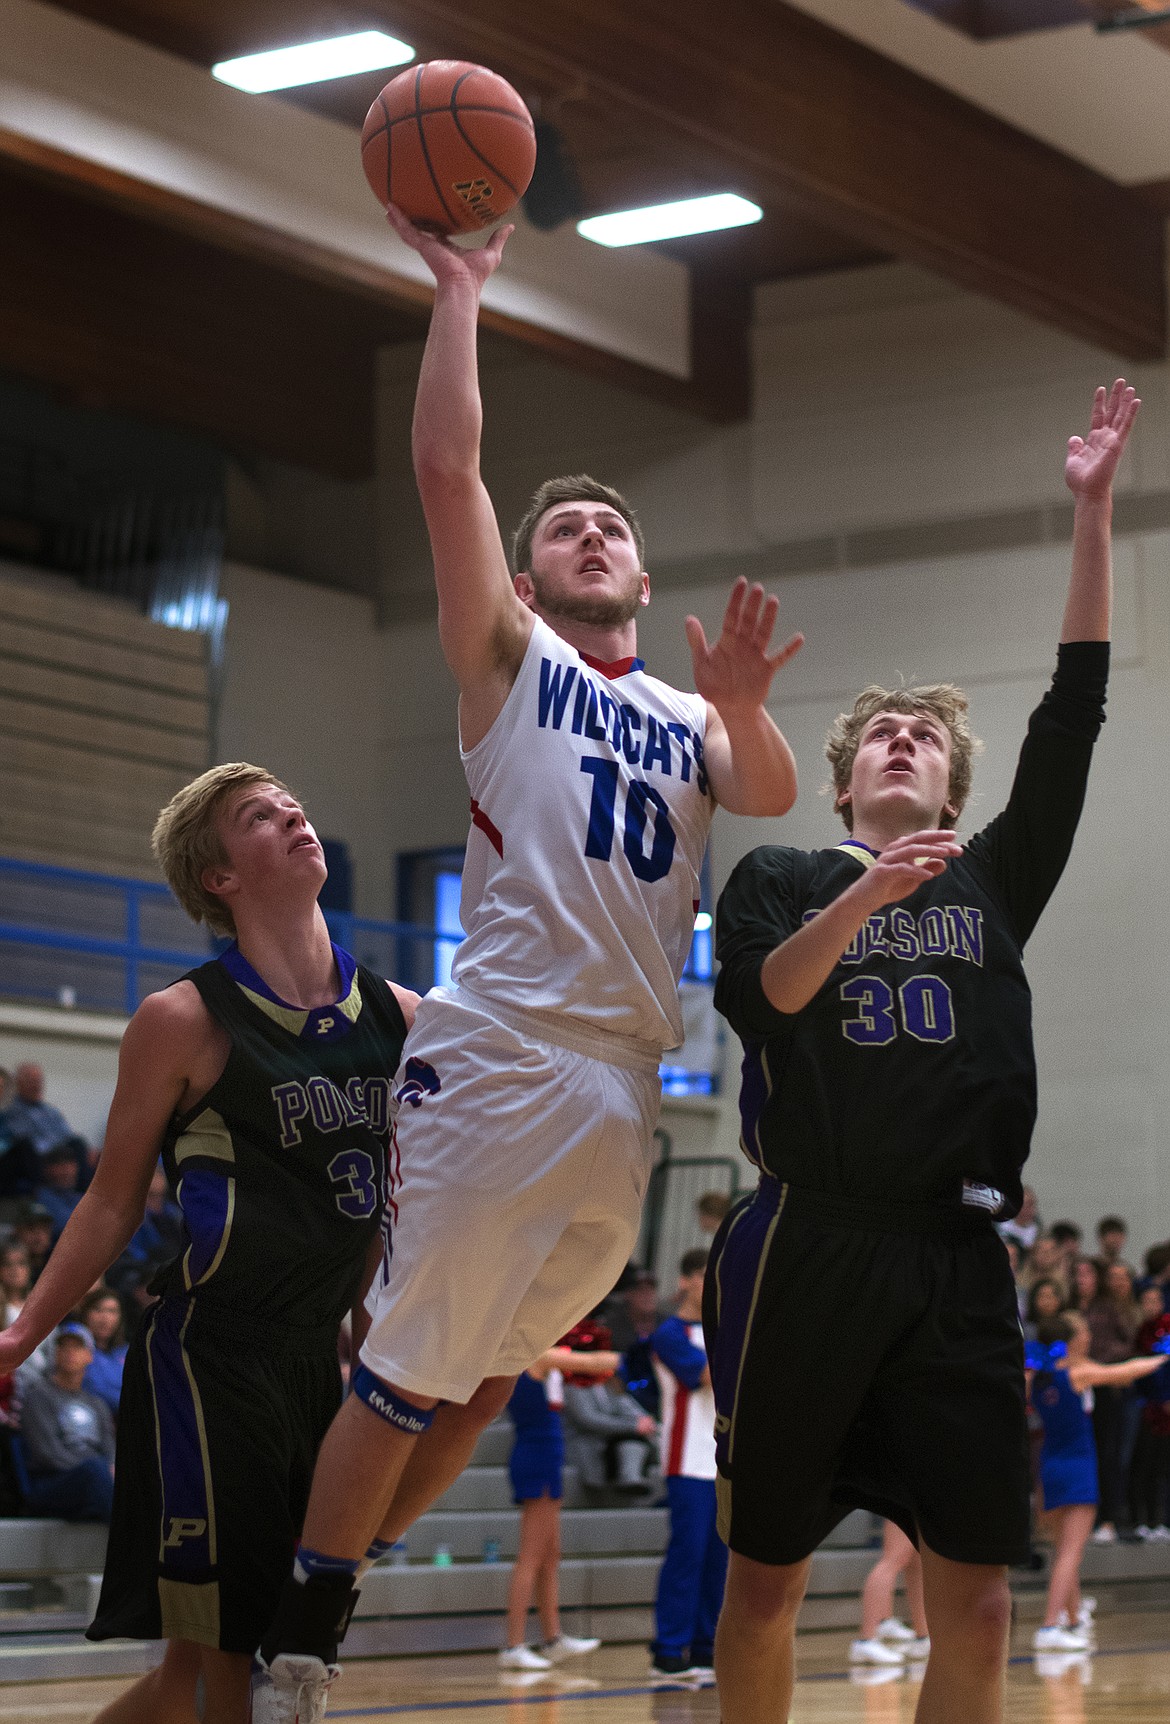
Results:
<point x="522" y="1164"/>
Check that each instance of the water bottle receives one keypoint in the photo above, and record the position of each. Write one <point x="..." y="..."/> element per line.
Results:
<point x="491" y="1550"/>
<point x="399" y="1554"/>
<point x="442" y="1556"/>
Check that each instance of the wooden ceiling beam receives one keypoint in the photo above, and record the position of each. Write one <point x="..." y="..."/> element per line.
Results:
<point x="353" y="305"/>
<point x="785" y="109"/>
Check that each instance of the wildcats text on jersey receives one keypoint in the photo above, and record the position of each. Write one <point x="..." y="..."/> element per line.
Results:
<point x="669" y="747"/>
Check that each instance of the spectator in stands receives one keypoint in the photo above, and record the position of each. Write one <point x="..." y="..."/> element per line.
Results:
<point x="1112" y="1234"/>
<point x="15" y="1281"/>
<point x="1045" y="1299"/>
<point x="1066" y="1236"/>
<point x="154" y="1243"/>
<point x="101" y="1313"/>
<point x="694" y="1569"/>
<point x="1044" y="1262"/>
<point x="609" y="1437"/>
<point x="34" y="1230"/>
<point x="58" y="1191"/>
<point x="1113" y="1319"/>
<point x="33" y="1120"/>
<point x="1149" y="1479"/>
<point x="710" y="1210"/>
<point x="1024" y="1227"/>
<point x="636" y="1314"/>
<point x="19" y="1167"/>
<point x="1157" y="1266"/>
<point x="1084" y="1286"/>
<point x="68" y="1436"/>
<point x="634" y="1320"/>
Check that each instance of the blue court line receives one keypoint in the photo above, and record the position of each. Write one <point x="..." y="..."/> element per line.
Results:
<point x="416" y="1707"/>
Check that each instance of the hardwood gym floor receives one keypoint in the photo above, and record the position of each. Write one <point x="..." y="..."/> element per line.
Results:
<point x="1126" y="1682"/>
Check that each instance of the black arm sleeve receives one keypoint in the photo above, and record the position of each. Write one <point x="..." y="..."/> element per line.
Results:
<point x="760" y="906"/>
<point x="1025" y="848"/>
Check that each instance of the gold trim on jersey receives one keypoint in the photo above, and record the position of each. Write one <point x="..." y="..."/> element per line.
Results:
<point x="153" y="1321"/>
<point x="197" y="1403"/>
<point x="189" y="1610"/>
<point x="860" y="852"/>
<point x="206" y="1136"/>
<point x="294" y="1018"/>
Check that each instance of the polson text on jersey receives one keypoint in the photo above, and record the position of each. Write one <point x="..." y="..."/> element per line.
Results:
<point x="597" y="716"/>
<point x="951" y="929"/>
<point x="362" y="1102"/>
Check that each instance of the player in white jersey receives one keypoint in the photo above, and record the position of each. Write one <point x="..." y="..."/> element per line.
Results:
<point x="529" y="1089"/>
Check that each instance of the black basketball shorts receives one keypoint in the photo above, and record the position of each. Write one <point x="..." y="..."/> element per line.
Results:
<point x="218" y="1429"/>
<point x="866" y="1356"/>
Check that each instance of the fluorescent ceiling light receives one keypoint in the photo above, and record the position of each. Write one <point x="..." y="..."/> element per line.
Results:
<point x="670" y="221"/>
<point x="314" y="62"/>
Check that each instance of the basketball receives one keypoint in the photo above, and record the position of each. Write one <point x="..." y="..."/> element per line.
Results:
<point x="451" y="144"/>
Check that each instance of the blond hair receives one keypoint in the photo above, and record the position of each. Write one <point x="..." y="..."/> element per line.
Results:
<point x="573" y="488"/>
<point x="186" y="838"/>
<point x="941" y="700"/>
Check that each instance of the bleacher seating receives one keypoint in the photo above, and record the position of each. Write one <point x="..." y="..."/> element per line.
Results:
<point x="608" y="1576"/>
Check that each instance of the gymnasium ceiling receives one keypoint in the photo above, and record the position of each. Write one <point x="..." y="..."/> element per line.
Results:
<point x="1004" y="144"/>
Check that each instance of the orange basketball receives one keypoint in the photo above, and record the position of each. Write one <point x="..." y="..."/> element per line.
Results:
<point x="451" y="144"/>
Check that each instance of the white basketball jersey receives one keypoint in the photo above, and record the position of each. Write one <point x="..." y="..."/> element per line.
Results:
<point x="590" y="814"/>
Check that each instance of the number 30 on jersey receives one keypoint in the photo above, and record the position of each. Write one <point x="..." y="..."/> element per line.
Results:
<point x="922" y="1006"/>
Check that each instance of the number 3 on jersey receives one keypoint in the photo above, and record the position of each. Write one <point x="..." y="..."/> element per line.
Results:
<point x="926" y="1010"/>
<point x="645" y="807"/>
<point x="355" y="1176"/>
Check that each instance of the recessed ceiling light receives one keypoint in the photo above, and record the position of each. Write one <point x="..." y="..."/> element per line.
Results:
<point x="670" y="221"/>
<point x="314" y="62"/>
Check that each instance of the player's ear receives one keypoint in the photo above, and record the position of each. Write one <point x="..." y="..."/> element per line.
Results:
<point x="218" y="880"/>
<point x="645" y="597"/>
<point x="524" y="589"/>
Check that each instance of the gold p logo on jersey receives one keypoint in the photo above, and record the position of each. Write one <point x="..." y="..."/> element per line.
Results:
<point x="181" y="1529"/>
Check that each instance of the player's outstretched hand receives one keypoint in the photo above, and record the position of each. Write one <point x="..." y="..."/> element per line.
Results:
<point x="737" y="671"/>
<point x="448" y="262"/>
<point x="1092" y="460"/>
<point x="908" y="863"/>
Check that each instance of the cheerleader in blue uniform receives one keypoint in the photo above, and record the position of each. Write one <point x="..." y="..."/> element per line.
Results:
<point x="1062" y="1378"/>
<point x="535" y="1467"/>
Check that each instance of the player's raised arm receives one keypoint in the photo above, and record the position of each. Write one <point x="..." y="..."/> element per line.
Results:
<point x="748" y="761"/>
<point x="152" y="1069"/>
<point x="1088" y="473"/>
<point x="795" y="969"/>
<point x="483" y="626"/>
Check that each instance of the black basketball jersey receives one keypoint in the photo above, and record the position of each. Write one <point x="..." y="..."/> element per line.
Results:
<point x="910" y="1075"/>
<point x="281" y="1168"/>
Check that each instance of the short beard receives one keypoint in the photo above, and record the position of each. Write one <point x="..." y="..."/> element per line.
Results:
<point x="612" y="613"/>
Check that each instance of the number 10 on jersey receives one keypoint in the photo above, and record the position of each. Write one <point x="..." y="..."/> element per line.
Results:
<point x="645" y="808"/>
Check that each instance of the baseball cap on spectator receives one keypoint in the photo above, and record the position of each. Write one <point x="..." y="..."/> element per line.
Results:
<point x="76" y="1332"/>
